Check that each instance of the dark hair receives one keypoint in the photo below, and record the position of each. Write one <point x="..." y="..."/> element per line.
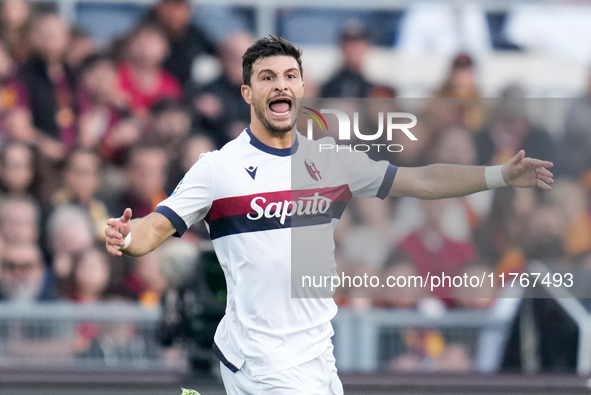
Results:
<point x="167" y="104"/>
<point x="265" y="47"/>
<point x="144" y="26"/>
<point x="146" y="146"/>
<point x="67" y="162"/>
<point x="93" y="60"/>
<point x="69" y="288"/>
<point x="40" y="172"/>
<point x="78" y="31"/>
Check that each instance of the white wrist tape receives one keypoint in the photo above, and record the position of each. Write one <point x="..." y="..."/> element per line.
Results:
<point x="127" y="242"/>
<point x="494" y="177"/>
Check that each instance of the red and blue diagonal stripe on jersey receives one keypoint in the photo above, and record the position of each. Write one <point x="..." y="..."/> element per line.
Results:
<point x="230" y="215"/>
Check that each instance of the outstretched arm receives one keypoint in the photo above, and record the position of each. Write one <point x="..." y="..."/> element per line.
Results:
<point x="148" y="233"/>
<point x="443" y="181"/>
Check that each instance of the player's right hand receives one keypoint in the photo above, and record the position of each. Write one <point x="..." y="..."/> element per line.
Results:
<point x="116" y="231"/>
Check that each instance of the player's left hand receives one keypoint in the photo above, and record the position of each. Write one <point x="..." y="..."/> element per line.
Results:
<point x="525" y="172"/>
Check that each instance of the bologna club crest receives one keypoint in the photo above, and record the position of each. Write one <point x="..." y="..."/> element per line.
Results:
<point x="312" y="170"/>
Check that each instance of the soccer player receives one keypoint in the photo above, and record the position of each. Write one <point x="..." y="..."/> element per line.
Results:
<point x="269" y="342"/>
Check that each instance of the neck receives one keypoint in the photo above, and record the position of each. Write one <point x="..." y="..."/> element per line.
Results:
<point x="271" y="139"/>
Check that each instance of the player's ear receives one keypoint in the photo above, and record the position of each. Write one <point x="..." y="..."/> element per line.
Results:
<point x="246" y="93"/>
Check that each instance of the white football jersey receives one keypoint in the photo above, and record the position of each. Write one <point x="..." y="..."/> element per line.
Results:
<point x="268" y="209"/>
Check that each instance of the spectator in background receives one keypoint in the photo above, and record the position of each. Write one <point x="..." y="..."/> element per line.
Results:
<point x="509" y="130"/>
<point x="186" y="41"/>
<point x="459" y="216"/>
<point x="220" y="107"/>
<point x="88" y="282"/>
<point x="23" y="275"/>
<point x="170" y="126"/>
<point x="146" y="178"/>
<point x="431" y="251"/>
<point x="19" y="220"/>
<point x="400" y="296"/>
<point x="381" y="100"/>
<point x="460" y="84"/>
<point x="13" y="93"/>
<point x="500" y="237"/>
<point x="141" y="75"/>
<point x="573" y="202"/>
<point x="15" y="20"/>
<point x="106" y="124"/>
<point x="16" y="122"/>
<point x="82" y="179"/>
<point x="428" y="350"/>
<point x="18" y="170"/>
<point x="349" y="81"/>
<point x="365" y="246"/>
<point x="414" y="152"/>
<point x="170" y="129"/>
<point x="24" y="172"/>
<point x="455" y="145"/>
<point x="368" y="240"/>
<point x="194" y="147"/>
<point x="577" y="136"/>
<point x="462" y="215"/>
<point x="545" y="231"/>
<point x="146" y="282"/>
<point x="461" y="80"/>
<point x="69" y="232"/>
<point x="81" y="47"/>
<point x="90" y="278"/>
<point x="179" y="259"/>
<point x="481" y="297"/>
<point x="50" y="82"/>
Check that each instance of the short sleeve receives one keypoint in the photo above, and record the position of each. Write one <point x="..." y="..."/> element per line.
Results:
<point x="366" y="177"/>
<point x="191" y="199"/>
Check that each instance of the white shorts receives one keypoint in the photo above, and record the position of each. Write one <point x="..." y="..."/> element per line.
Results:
<point x="315" y="377"/>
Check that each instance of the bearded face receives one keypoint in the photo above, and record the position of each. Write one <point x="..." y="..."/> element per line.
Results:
<point x="276" y="83"/>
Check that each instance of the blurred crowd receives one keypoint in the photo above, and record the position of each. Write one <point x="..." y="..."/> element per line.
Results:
<point x="85" y="133"/>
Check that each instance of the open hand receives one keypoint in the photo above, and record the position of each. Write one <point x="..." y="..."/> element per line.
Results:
<point x="525" y="172"/>
<point x="116" y="231"/>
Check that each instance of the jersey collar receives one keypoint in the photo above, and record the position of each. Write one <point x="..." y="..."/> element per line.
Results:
<point x="270" y="150"/>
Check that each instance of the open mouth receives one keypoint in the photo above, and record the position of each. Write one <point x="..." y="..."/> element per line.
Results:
<point x="280" y="105"/>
